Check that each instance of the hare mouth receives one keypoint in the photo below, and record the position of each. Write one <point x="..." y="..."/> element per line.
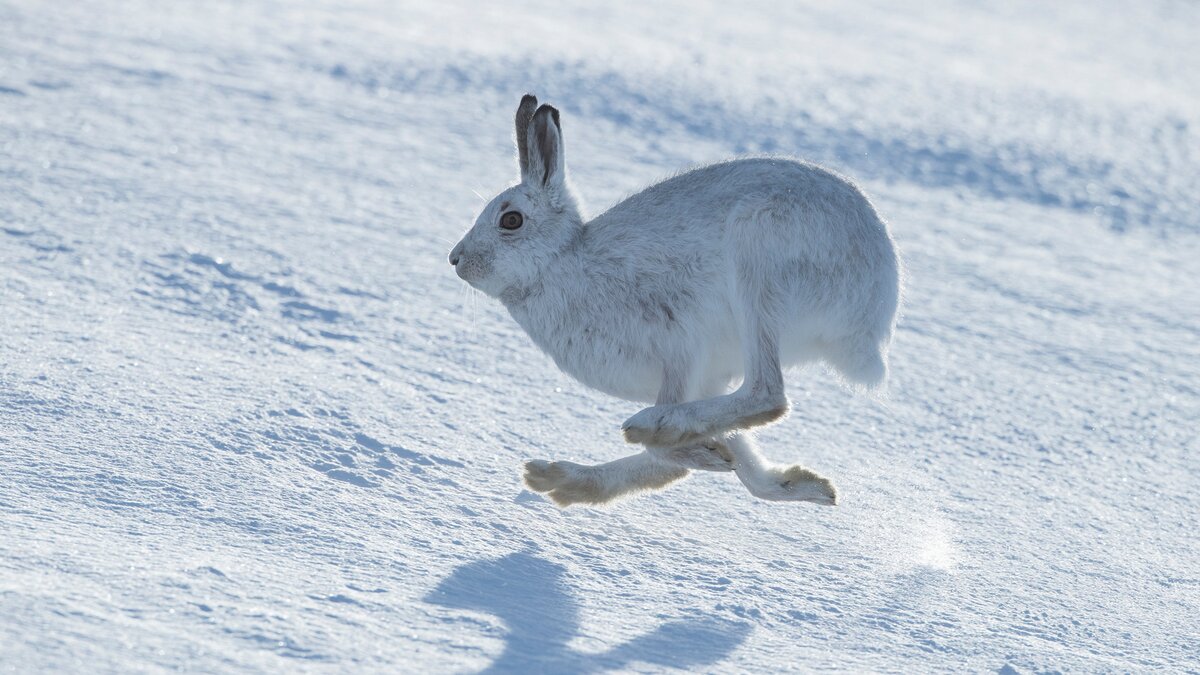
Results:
<point x="472" y="270"/>
<point x="461" y="270"/>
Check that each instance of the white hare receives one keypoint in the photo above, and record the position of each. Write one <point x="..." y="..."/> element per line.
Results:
<point x="722" y="274"/>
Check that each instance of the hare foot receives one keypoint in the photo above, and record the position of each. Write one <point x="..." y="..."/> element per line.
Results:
<point x="568" y="483"/>
<point x="789" y="484"/>
<point x="664" y="426"/>
<point x="565" y="483"/>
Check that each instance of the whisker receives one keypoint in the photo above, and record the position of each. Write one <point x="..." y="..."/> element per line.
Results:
<point x="475" y="295"/>
<point x="460" y="304"/>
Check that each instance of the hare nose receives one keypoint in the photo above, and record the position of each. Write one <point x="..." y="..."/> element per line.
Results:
<point x="456" y="255"/>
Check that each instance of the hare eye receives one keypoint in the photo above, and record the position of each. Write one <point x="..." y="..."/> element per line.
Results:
<point x="511" y="220"/>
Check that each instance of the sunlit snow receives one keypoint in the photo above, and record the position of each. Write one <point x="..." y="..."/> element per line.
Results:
<point x="251" y="421"/>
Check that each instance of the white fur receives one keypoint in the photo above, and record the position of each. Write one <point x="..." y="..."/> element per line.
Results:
<point x="726" y="273"/>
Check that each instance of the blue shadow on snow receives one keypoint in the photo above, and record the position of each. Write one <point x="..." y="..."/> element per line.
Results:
<point x="531" y="596"/>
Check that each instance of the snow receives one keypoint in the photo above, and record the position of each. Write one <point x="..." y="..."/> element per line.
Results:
<point x="251" y="421"/>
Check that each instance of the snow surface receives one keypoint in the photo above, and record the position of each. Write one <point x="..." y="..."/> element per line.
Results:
<point x="250" y="420"/>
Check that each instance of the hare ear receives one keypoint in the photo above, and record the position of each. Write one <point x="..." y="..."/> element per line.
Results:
<point x="524" y="115"/>
<point x="546" y="167"/>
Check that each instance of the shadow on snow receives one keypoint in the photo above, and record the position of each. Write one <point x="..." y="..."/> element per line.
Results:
<point x="532" y="598"/>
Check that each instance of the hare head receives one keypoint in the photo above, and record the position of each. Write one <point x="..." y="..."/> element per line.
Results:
<point x="525" y="227"/>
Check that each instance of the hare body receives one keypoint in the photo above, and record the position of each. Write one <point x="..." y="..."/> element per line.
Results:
<point x="724" y="274"/>
<point x="669" y="277"/>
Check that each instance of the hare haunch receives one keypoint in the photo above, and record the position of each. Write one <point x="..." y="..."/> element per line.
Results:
<point x="726" y="273"/>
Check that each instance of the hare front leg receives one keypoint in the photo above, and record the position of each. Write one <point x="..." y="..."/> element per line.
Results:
<point x="569" y="483"/>
<point x="705" y="454"/>
<point x="760" y="400"/>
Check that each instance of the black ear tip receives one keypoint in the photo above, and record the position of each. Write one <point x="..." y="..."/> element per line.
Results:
<point x="528" y="100"/>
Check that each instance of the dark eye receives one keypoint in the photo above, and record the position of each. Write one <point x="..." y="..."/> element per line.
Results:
<point x="511" y="220"/>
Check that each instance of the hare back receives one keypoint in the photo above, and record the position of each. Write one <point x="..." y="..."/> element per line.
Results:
<point x="797" y="245"/>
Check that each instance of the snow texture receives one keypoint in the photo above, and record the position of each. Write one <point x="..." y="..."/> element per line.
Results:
<point x="251" y="421"/>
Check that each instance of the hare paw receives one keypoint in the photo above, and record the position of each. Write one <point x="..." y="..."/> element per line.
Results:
<point x="795" y="484"/>
<point x="664" y="426"/>
<point x="543" y="476"/>
<point x="565" y="483"/>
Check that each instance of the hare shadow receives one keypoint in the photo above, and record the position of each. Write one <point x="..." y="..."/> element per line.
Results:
<point x="532" y="598"/>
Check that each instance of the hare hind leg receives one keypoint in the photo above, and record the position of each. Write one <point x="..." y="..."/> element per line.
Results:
<point x="569" y="483"/>
<point x="712" y="455"/>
